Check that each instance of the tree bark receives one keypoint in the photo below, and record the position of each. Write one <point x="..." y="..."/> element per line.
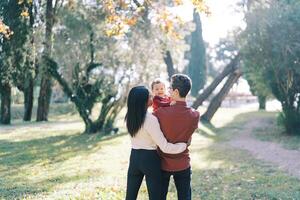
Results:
<point x="207" y="92"/>
<point x="262" y="102"/>
<point x="46" y="81"/>
<point x="217" y="100"/>
<point x="5" y="117"/>
<point x="169" y="62"/>
<point x="28" y="100"/>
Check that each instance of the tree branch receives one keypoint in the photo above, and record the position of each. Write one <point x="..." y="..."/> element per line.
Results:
<point x="207" y="92"/>
<point x="137" y="3"/>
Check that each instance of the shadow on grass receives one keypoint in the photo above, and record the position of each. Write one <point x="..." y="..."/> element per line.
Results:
<point x="17" y="156"/>
<point x="235" y="126"/>
<point x="236" y="175"/>
<point x="228" y="173"/>
<point x="26" y="187"/>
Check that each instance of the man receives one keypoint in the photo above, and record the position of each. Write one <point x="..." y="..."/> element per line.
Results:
<point x="178" y="122"/>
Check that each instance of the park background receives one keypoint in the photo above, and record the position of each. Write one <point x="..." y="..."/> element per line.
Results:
<point x="66" y="68"/>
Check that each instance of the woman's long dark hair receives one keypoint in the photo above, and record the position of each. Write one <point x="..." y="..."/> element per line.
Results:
<point x="136" y="109"/>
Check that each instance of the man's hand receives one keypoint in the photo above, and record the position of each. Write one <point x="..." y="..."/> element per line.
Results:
<point x="189" y="142"/>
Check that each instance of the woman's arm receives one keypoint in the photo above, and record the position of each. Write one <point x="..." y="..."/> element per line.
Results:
<point x="152" y="126"/>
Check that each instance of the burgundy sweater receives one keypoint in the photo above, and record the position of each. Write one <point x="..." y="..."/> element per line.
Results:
<point x="178" y="122"/>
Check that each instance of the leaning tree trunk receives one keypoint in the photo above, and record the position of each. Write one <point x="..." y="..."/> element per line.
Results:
<point x="231" y="67"/>
<point x="262" y="102"/>
<point x="5" y="103"/>
<point x="217" y="100"/>
<point x="45" y="89"/>
<point x="28" y="100"/>
<point x="169" y="62"/>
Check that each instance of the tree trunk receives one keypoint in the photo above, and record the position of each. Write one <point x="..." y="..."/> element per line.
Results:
<point x="45" y="89"/>
<point x="5" y="104"/>
<point x="262" y="102"/>
<point x="28" y="100"/>
<point x="217" y="100"/>
<point x="169" y="62"/>
<point x="90" y="126"/>
<point x="207" y="92"/>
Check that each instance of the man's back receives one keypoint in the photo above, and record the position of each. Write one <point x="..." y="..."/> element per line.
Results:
<point x="177" y="122"/>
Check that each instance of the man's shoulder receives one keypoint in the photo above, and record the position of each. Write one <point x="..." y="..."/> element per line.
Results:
<point x="195" y="113"/>
<point x="163" y="110"/>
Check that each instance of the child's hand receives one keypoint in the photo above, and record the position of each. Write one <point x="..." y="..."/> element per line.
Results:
<point x="172" y="103"/>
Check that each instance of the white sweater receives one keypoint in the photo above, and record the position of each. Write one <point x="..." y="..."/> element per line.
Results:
<point x="150" y="136"/>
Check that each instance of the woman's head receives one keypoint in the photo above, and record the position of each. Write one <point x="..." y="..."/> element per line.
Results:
<point x="137" y="103"/>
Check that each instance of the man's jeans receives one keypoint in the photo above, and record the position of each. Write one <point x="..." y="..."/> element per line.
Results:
<point x="182" y="181"/>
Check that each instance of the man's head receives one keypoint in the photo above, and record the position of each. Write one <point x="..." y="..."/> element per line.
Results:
<point x="180" y="86"/>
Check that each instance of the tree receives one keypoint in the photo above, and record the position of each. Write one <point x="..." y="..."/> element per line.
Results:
<point x="46" y="82"/>
<point x="196" y="56"/>
<point x="15" y="65"/>
<point x="229" y="69"/>
<point x="102" y="68"/>
<point x="217" y="100"/>
<point x="270" y="49"/>
<point x="255" y="79"/>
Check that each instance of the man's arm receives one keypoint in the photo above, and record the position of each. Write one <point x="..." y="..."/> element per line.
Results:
<point x="152" y="127"/>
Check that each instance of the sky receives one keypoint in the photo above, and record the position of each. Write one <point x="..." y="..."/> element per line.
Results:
<point x="223" y="18"/>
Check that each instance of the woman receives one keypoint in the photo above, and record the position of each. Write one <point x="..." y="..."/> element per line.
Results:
<point x="146" y="135"/>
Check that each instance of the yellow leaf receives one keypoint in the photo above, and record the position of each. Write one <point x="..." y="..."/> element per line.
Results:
<point x="140" y="10"/>
<point x="25" y="13"/>
<point x="131" y="21"/>
<point x="178" y="2"/>
<point x="201" y="6"/>
<point x="5" y="31"/>
<point x="123" y="4"/>
<point x="112" y="18"/>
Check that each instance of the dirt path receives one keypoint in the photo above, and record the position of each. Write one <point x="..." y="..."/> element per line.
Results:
<point x="288" y="160"/>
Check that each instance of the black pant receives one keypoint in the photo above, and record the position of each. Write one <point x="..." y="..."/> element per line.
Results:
<point x="182" y="181"/>
<point x="144" y="163"/>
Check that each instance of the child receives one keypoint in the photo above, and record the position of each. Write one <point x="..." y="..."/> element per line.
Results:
<point x="160" y="98"/>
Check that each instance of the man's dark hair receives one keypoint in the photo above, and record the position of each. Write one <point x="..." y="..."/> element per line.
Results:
<point x="182" y="83"/>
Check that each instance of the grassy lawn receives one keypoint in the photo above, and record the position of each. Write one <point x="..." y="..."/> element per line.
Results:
<point x="56" y="111"/>
<point x="55" y="161"/>
<point x="276" y="133"/>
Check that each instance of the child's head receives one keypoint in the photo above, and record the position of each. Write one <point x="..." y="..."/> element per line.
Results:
<point x="158" y="88"/>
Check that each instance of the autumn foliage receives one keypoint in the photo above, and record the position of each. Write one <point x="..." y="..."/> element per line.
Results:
<point x="122" y="14"/>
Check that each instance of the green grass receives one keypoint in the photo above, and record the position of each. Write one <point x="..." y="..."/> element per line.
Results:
<point x="54" y="160"/>
<point x="274" y="132"/>
<point x="56" y="110"/>
<point x="226" y="173"/>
